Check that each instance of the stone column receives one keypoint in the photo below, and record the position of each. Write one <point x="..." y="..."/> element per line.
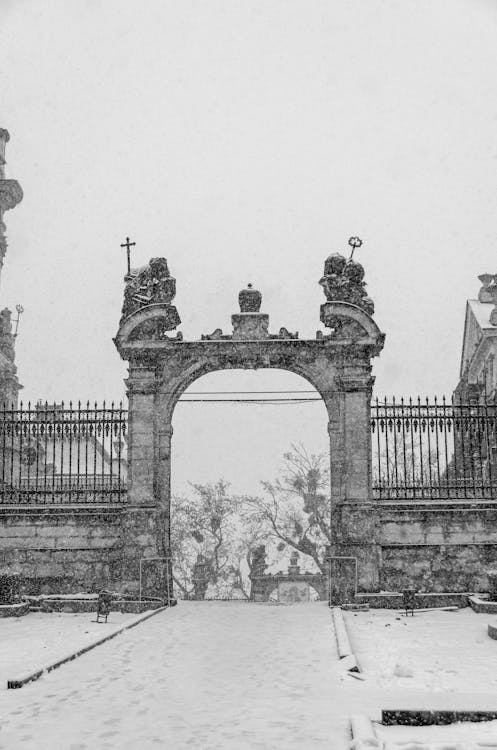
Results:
<point x="141" y="436"/>
<point x="163" y="484"/>
<point x="355" y="518"/>
<point x="140" y="521"/>
<point x="357" y="391"/>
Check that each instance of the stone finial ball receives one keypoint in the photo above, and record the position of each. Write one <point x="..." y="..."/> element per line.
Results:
<point x="250" y="299"/>
<point x="334" y="263"/>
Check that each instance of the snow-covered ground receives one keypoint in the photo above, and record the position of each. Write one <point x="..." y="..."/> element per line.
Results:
<point x="436" y="651"/>
<point x="202" y="675"/>
<point x="35" y="640"/>
<point x="447" y="654"/>
<point x="464" y="736"/>
<point x="240" y="676"/>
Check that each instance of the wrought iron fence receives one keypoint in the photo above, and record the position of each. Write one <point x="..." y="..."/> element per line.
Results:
<point x="440" y="450"/>
<point x="52" y="454"/>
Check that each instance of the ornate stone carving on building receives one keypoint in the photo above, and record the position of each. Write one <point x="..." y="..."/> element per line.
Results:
<point x="10" y="196"/>
<point x="10" y="193"/>
<point x="152" y="285"/>
<point x="345" y="289"/>
<point x="488" y="291"/>
<point x="343" y="281"/>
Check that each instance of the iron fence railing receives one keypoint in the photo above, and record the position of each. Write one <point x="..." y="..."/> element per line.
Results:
<point x="63" y="454"/>
<point x="421" y="450"/>
<point x="440" y="450"/>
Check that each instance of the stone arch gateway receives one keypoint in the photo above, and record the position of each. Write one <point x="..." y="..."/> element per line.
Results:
<point x="162" y="366"/>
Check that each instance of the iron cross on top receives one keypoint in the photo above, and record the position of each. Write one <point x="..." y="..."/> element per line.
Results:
<point x="128" y="245"/>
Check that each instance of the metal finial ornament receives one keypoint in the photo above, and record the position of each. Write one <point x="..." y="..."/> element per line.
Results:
<point x="20" y="310"/>
<point x="354" y="242"/>
<point x="128" y="245"/>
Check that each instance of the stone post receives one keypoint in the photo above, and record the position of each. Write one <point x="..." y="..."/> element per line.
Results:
<point x="357" y="391"/>
<point x="140" y="520"/>
<point x="355" y="517"/>
<point x="141" y="436"/>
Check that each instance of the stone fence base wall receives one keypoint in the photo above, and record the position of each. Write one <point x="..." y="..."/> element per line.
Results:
<point x="438" y="547"/>
<point x="62" y="550"/>
<point x="433" y="547"/>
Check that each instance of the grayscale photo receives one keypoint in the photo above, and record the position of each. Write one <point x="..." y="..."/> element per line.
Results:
<point x="248" y="374"/>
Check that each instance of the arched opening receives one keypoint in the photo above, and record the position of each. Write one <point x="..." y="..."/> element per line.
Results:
<point x="249" y="470"/>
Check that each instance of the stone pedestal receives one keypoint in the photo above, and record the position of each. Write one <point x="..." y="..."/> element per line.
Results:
<point x="250" y="326"/>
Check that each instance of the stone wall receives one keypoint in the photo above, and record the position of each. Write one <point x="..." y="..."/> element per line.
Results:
<point x="433" y="547"/>
<point x="62" y="549"/>
<point x="437" y="546"/>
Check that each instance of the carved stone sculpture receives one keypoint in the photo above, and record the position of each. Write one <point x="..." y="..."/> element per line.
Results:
<point x="488" y="291"/>
<point x="343" y="281"/>
<point x="10" y="193"/>
<point x="152" y="285"/>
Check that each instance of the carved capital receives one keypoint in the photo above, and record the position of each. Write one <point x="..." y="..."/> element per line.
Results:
<point x="355" y="383"/>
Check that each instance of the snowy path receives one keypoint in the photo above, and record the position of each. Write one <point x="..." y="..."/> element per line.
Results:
<point x="202" y="675"/>
<point x="224" y="676"/>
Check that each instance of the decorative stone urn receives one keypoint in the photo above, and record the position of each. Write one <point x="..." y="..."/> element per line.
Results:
<point x="250" y="300"/>
<point x="250" y="324"/>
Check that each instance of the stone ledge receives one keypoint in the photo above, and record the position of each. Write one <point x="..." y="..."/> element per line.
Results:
<point x="363" y="732"/>
<point x="344" y="646"/>
<point x="14" y="610"/>
<point x="76" y="509"/>
<point x="425" y="718"/>
<point x="67" y="604"/>
<point x="394" y="600"/>
<point x="480" y="605"/>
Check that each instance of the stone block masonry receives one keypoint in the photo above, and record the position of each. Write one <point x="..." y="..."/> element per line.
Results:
<point x="62" y="549"/>
<point x="437" y="547"/>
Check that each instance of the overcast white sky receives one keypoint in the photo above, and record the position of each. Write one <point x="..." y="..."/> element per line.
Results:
<point x="245" y="141"/>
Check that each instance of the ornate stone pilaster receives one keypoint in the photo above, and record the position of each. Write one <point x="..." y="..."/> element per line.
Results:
<point x="141" y="443"/>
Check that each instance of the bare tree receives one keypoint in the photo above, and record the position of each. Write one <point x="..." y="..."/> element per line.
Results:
<point x="296" y="507"/>
<point x="211" y="539"/>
